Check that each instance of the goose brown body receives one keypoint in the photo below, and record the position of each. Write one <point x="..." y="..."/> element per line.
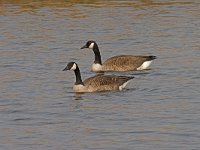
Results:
<point x="124" y="62"/>
<point x="118" y="63"/>
<point x="98" y="82"/>
<point x="106" y="82"/>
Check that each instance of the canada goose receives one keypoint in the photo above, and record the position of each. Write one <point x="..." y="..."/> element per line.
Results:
<point x="98" y="82"/>
<point x="118" y="63"/>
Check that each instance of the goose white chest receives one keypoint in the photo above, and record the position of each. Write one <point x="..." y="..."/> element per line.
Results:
<point x="79" y="88"/>
<point x="96" y="67"/>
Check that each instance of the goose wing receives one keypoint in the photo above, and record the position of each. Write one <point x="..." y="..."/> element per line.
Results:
<point x="106" y="82"/>
<point x="125" y="62"/>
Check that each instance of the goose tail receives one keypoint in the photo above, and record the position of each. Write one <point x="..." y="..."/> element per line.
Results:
<point x="152" y="57"/>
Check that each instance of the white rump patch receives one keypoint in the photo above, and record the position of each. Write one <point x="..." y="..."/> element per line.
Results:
<point x="96" y="67"/>
<point x="73" y="67"/>
<point x="123" y="85"/>
<point x="145" y="65"/>
<point x="91" y="45"/>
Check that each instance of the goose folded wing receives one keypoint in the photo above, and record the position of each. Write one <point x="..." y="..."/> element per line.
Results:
<point x="104" y="80"/>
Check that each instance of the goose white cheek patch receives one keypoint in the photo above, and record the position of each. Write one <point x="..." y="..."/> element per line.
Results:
<point x="73" y="67"/>
<point x="91" y="45"/>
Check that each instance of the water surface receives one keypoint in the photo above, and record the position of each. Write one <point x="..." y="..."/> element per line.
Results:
<point x="160" y="107"/>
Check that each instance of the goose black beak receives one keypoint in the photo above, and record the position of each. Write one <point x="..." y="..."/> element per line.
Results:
<point x="65" y="69"/>
<point x="85" y="46"/>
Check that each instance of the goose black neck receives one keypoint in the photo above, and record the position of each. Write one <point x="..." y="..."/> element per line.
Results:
<point x="97" y="54"/>
<point x="78" y="76"/>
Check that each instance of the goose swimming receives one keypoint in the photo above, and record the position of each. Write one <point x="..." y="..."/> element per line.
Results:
<point x="118" y="63"/>
<point x="98" y="82"/>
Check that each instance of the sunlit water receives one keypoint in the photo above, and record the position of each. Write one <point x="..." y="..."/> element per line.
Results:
<point x="160" y="108"/>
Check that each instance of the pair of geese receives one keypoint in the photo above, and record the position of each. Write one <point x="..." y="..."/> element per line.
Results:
<point x="101" y="82"/>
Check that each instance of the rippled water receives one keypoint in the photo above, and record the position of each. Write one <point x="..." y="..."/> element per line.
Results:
<point x="160" y="109"/>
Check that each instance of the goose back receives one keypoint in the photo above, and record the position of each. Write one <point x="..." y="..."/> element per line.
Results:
<point x="106" y="82"/>
<point x="125" y="62"/>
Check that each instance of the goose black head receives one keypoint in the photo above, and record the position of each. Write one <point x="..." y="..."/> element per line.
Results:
<point x="70" y="66"/>
<point x="89" y="44"/>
